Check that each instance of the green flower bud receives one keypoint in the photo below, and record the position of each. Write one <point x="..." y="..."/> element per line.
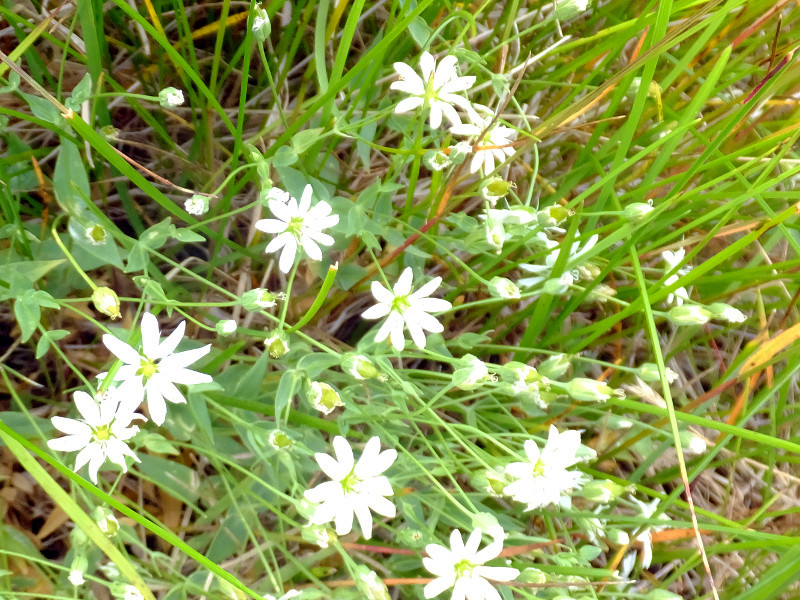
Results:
<point x="637" y="210"/>
<point x="500" y="287"/>
<point x="324" y="398"/>
<point x="601" y="491"/>
<point x="259" y="298"/>
<point x="689" y="314"/>
<point x="226" y="327"/>
<point x="649" y="372"/>
<point x="261" y="25"/>
<point x="726" y="312"/>
<point x="277" y="344"/>
<point x="590" y="390"/>
<point x="170" y="97"/>
<point x="196" y="205"/>
<point x="106" y="301"/>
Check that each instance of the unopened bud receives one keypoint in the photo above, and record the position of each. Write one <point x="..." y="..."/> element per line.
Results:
<point x="689" y="314"/>
<point x="106" y="301"/>
<point x="495" y="188"/>
<point x="637" y="210"/>
<point x="226" y="327"/>
<point x="196" y="205"/>
<point x="261" y="25"/>
<point x="726" y="312"/>
<point x="649" y="372"/>
<point x="360" y="367"/>
<point x="589" y="390"/>
<point x="170" y="97"/>
<point x="259" y="298"/>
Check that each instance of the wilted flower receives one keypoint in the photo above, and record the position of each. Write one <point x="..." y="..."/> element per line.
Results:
<point x="406" y="309"/>
<point x="436" y="89"/>
<point x="356" y="487"/>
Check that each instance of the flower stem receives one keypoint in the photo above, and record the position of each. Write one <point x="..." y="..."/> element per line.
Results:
<point x="285" y="305"/>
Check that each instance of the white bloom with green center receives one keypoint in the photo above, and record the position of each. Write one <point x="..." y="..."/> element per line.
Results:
<point x="461" y="567"/>
<point x="101" y="433"/>
<point x="356" y="487"/>
<point x="436" y="89"/>
<point x="542" y="479"/>
<point x="298" y="224"/>
<point x="494" y="145"/>
<point x="406" y="309"/>
<point x="154" y="371"/>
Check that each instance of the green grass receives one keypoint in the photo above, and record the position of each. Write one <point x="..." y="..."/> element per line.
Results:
<point x="630" y="102"/>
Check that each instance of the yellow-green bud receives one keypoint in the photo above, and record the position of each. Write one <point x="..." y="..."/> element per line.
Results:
<point x="726" y="312"/>
<point x="170" y="97"/>
<point x="106" y="521"/>
<point x="601" y="491"/>
<point x="277" y="344"/>
<point x="324" y="398"/>
<point x="107" y="302"/>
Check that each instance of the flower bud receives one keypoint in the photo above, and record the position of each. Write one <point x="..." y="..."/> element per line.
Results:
<point x="360" y="367"/>
<point x="500" y="287"/>
<point x="495" y="188"/>
<point x="649" y="372"/>
<point x="601" y="491"/>
<point x="726" y="312"/>
<point x="277" y="344"/>
<point x="472" y="374"/>
<point x="495" y="234"/>
<point x="589" y="390"/>
<point x="555" y="287"/>
<point x="259" y="298"/>
<point x="689" y="314"/>
<point x="319" y="536"/>
<point x="370" y="585"/>
<point x="324" y="398"/>
<point x="106" y="520"/>
<point x="637" y="210"/>
<point x="106" y="301"/>
<point x="261" y="26"/>
<point x="196" y="205"/>
<point x="568" y="9"/>
<point x="555" y="366"/>
<point x="226" y="327"/>
<point x="78" y="569"/>
<point x="125" y="591"/>
<point x="170" y="97"/>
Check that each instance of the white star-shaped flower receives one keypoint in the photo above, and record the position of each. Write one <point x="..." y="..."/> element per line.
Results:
<point x="461" y="567"/>
<point x="542" y="479"/>
<point x="494" y="145"/>
<point x="436" y="88"/>
<point x="101" y="433"/>
<point x="574" y="262"/>
<point x="406" y="309"/>
<point x="355" y="489"/>
<point x="155" y="369"/>
<point x="298" y="225"/>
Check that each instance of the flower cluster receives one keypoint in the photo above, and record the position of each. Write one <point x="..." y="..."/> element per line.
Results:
<point x="148" y="373"/>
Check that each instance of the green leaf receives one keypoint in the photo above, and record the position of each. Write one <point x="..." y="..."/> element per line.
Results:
<point x="70" y="182"/>
<point x="48" y="338"/>
<point x="285" y="393"/>
<point x="284" y="157"/>
<point x="80" y="93"/>
<point x="27" y="309"/>
<point x="419" y="31"/>
<point x="303" y="140"/>
<point x="157" y="443"/>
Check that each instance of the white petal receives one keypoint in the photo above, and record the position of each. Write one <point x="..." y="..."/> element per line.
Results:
<point x="88" y="408"/>
<point x="168" y="346"/>
<point x="121" y="350"/>
<point x="270" y="226"/>
<point x="288" y="255"/>
<point x="404" y="282"/>
<point x="344" y="453"/>
<point x="364" y="517"/>
<point x="436" y="114"/>
<point x="407" y="105"/>
<point x="183" y="359"/>
<point x="376" y="312"/>
<point x="156" y="406"/>
<point x="416" y="333"/>
<point x="381" y="294"/>
<point x="150" y="335"/>
<point x="427" y="65"/>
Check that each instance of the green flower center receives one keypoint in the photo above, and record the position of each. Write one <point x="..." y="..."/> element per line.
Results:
<point x="350" y="482"/>
<point x="102" y="433"/>
<point x="97" y="234"/>
<point x="147" y="368"/>
<point x="463" y="568"/>
<point x="400" y="304"/>
<point x="538" y="468"/>
<point x="295" y="226"/>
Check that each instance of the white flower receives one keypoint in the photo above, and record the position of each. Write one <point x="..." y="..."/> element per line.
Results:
<point x="403" y="307"/>
<point x="155" y="369"/>
<point x="462" y="568"/>
<point x="170" y="97"/>
<point x="355" y="489"/>
<point x="571" y="273"/>
<point x="544" y="476"/>
<point x="298" y="225"/>
<point x="101" y="433"/>
<point x="495" y="145"/>
<point x="436" y="88"/>
<point x="131" y="593"/>
<point x="76" y="577"/>
<point x="673" y="259"/>
<point x="196" y="205"/>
